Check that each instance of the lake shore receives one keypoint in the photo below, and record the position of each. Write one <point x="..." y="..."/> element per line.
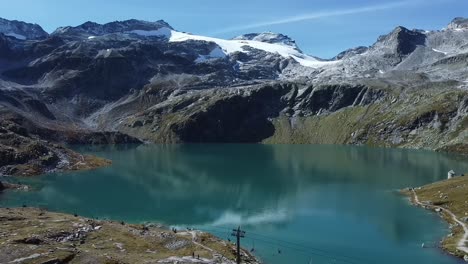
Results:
<point x="38" y="236"/>
<point x="449" y="199"/>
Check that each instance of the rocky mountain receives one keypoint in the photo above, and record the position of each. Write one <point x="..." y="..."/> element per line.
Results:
<point x="21" y="30"/>
<point x="351" y="52"/>
<point x="458" y="23"/>
<point x="91" y="29"/>
<point x="157" y="84"/>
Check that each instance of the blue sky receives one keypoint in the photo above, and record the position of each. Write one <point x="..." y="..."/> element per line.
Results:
<point x="320" y="27"/>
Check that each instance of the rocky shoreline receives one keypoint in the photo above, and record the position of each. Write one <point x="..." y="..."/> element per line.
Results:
<point x="28" y="149"/>
<point x="38" y="236"/>
<point x="24" y="153"/>
<point x="448" y="199"/>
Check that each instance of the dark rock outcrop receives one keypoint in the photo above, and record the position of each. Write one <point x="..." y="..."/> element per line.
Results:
<point x="234" y="118"/>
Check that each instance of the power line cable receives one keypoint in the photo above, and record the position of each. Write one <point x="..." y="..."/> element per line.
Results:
<point x="294" y="246"/>
<point x="341" y="256"/>
<point x="308" y="253"/>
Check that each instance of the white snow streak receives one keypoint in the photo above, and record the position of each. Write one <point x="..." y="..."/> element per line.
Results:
<point x="162" y="32"/>
<point x="439" y="51"/>
<point x="18" y="36"/>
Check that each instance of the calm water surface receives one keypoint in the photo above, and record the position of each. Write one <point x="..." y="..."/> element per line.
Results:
<point x="315" y="204"/>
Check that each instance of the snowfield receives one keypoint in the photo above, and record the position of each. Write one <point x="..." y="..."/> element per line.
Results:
<point x="232" y="46"/>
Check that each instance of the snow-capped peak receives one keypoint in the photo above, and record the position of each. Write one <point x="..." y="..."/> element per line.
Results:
<point x="268" y="42"/>
<point x="242" y="45"/>
<point x="21" y="30"/>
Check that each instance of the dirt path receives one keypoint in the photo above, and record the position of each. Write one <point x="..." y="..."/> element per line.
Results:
<point x="461" y="245"/>
<point x="216" y="254"/>
<point x="194" y="240"/>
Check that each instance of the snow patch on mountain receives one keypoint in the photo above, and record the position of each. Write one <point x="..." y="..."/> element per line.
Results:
<point x="439" y="51"/>
<point x="216" y="53"/>
<point x="162" y="32"/>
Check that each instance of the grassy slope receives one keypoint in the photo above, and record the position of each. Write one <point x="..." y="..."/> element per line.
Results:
<point x="385" y="124"/>
<point x="453" y="195"/>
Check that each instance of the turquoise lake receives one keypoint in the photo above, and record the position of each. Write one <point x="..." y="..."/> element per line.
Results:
<point x="297" y="203"/>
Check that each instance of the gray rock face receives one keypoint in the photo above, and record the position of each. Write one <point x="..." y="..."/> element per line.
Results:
<point x="351" y="52"/>
<point x="21" y="30"/>
<point x="401" y="41"/>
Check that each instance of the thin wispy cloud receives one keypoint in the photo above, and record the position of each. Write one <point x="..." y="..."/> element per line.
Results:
<point x="317" y="15"/>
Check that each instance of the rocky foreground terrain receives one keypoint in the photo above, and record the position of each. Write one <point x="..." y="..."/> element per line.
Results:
<point x="29" y="235"/>
<point x="132" y="81"/>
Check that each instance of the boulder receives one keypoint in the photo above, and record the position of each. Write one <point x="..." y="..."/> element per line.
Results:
<point x="137" y="124"/>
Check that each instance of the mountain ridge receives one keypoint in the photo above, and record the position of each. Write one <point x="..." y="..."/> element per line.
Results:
<point x="21" y="30"/>
<point x="125" y="26"/>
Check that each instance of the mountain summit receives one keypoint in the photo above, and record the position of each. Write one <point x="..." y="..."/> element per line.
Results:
<point x="459" y="23"/>
<point x="401" y="41"/>
<point x="21" y="30"/>
<point x="89" y="28"/>
<point x="268" y="37"/>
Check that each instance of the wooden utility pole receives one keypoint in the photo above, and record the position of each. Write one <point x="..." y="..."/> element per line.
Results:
<point x="238" y="233"/>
